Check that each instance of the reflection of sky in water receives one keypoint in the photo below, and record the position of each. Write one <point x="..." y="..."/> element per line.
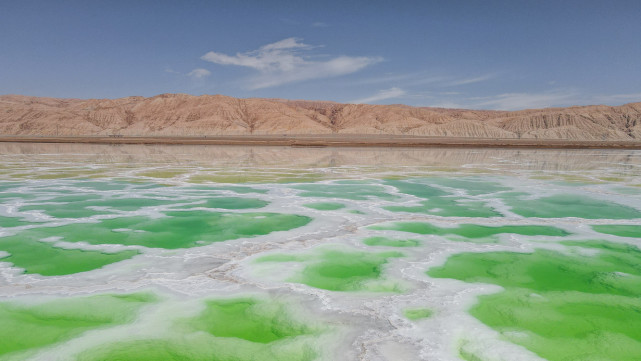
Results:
<point x="325" y="248"/>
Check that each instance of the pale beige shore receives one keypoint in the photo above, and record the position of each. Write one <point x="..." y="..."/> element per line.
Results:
<point x="336" y="140"/>
<point x="247" y="159"/>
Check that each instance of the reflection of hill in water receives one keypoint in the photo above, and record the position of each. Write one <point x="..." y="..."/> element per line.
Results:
<point x="246" y="156"/>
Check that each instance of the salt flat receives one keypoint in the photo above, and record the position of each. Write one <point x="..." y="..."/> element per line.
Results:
<point x="172" y="252"/>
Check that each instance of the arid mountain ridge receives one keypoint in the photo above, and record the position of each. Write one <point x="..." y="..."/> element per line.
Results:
<point x="188" y="115"/>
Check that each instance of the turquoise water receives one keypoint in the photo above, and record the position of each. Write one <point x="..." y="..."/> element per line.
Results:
<point x="237" y="253"/>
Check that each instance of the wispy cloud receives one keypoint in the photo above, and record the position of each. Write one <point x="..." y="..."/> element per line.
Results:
<point x="199" y="73"/>
<point x="319" y="24"/>
<point x="283" y="62"/>
<point x="516" y="101"/>
<point x="407" y="79"/>
<point x="617" y="98"/>
<point x="381" y="95"/>
<point x="476" y="79"/>
<point x="529" y="100"/>
<point x="423" y="78"/>
<point x="449" y="105"/>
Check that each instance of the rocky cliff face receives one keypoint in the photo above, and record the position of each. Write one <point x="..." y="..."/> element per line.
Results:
<point x="186" y="115"/>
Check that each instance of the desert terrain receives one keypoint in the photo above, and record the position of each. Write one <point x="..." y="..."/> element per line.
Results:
<point x="218" y="119"/>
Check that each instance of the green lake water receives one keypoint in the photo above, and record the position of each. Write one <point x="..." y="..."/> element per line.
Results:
<point x="275" y="253"/>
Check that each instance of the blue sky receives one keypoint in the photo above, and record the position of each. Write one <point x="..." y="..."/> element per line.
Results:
<point x="508" y="54"/>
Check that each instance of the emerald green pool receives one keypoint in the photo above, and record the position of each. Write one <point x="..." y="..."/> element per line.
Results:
<point x="591" y="301"/>
<point x="206" y="253"/>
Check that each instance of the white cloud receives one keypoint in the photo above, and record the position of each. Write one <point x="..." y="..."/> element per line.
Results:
<point x="319" y="24"/>
<point x="448" y="105"/>
<point x="282" y="62"/>
<point x="407" y="79"/>
<point x="517" y="101"/>
<point x="199" y="73"/>
<point x="423" y="78"/>
<point x="534" y="100"/>
<point x="617" y="98"/>
<point x="381" y="95"/>
<point x="473" y="80"/>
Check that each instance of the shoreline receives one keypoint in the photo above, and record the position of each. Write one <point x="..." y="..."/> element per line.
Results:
<point x="334" y="140"/>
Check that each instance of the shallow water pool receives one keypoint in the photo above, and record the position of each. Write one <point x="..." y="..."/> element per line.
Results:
<point x="275" y="253"/>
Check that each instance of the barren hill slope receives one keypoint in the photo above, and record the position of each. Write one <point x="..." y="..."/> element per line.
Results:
<point x="187" y="115"/>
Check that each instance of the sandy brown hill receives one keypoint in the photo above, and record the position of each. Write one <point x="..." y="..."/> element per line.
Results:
<point x="187" y="115"/>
